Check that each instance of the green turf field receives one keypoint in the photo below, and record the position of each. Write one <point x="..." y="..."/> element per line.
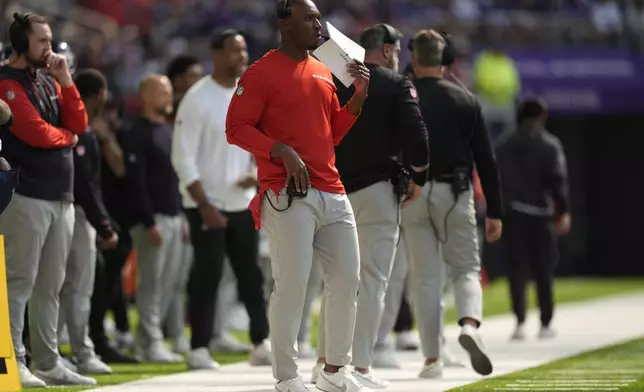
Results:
<point x="495" y="302"/>
<point x="617" y="368"/>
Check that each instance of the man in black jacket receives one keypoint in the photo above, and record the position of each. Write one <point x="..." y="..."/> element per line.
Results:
<point x="440" y="228"/>
<point x="92" y="223"/>
<point x="535" y="187"/>
<point x="389" y="126"/>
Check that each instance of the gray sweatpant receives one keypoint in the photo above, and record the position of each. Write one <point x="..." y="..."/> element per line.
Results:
<point x="320" y="225"/>
<point x="396" y="289"/>
<point x="313" y="289"/>
<point x="157" y="275"/>
<point x="175" y="318"/>
<point x="376" y="212"/>
<point x="76" y="294"/>
<point x="38" y="236"/>
<point x="427" y="255"/>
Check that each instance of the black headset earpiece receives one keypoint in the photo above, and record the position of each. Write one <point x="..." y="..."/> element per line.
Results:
<point x="20" y="39"/>
<point x="284" y="11"/>
<point x="449" y="53"/>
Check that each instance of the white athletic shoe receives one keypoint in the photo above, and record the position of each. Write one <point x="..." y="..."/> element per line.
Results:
<point x="518" y="334"/>
<point x="293" y="385"/>
<point x="407" y="341"/>
<point x="93" y="365"/>
<point x="305" y="351"/>
<point x="227" y="343"/>
<point x="342" y="380"/>
<point x="315" y="373"/>
<point x="69" y="365"/>
<point x="60" y="375"/>
<point x="181" y="345"/>
<point x="547" y="333"/>
<point x="27" y="378"/>
<point x="471" y="342"/>
<point x="370" y="380"/>
<point x="200" y="359"/>
<point x="385" y="358"/>
<point x="449" y="359"/>
<point x="159" y="353"/>
<point x="433" y="370"/>
<point x="261" y="355"/>
<point x="124" y="341"/>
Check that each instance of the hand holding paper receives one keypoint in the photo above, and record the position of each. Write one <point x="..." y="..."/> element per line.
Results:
<point x="339" y="51"/>
<point x="361" y="74"/>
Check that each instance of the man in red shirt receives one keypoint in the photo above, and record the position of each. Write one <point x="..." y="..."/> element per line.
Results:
<point x="38" y="224"/>
<point x="285" y="111"/>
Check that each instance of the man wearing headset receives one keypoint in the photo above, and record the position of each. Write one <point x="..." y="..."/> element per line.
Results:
<point x="38" y="224"/>
<point x="377" y="183"/>
<point x="440" y="227"/>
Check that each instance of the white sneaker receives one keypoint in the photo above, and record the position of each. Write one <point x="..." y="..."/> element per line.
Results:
<point x="93" y="365"/>
<point x="227" y="343"/>
<point x="305" y="351"/>
<point x="471" y="342"/>
<point x="60" y="375"/>
<point x="69" y="365"/>
<point x="27" y="378"/>
<point x="385" y="359"/>
<point x="124" y="341"/>
<point x="370" y="380"/>
<point x="315" y="373"/>
<point x="159" y="353"/>
<point x="407" y="341"/>
<point x="342" y="380"/>
<point x="547" y="333"/>
<point x="293" y="385"/>
<point x="200" y="359"/>
<point x="433" y="370"/>
<point x="261" y="356"/>
<point x="449" y="359"/>
<point x="181" y="345"/>
<point x="518" y="334"/>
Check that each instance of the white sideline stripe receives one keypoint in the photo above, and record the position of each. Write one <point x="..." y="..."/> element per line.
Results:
<point x="556" y="389"/>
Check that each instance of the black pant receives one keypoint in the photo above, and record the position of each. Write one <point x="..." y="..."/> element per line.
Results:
<point x="240" y="241"/>
<point x="405" y="320"/>
<point x="108" y="290"/>
<point x="530" y="247"/>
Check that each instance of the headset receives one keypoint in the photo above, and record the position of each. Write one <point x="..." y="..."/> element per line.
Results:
<point x="18" y="37"/>
<point x="449" y="52"/>
<point x="284" y="11"/>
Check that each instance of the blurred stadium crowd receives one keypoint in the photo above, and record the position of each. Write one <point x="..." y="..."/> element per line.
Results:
<point x="127" y="39"/>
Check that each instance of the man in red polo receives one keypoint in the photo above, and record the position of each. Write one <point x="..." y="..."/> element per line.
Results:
<point x="285" y="111"/>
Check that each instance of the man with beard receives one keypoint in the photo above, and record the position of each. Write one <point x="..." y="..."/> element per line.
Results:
<point x="155" y="207"/>
<point x="217" y="181"/>
<point x="286" y="112"/>
<point x="38" y="224"/>
<point x="376" y="181"/>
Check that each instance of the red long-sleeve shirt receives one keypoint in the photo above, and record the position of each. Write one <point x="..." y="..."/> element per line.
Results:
<point x="279" y="99"/>
<point x="39" y="149"/>
<point x="31" y="128"/>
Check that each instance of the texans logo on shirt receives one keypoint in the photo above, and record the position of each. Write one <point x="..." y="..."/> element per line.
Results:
<point x="11" y="95"/>
<point x="80" y="150"/>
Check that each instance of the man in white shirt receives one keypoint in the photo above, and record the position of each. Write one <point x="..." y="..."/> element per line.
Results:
<point x="217" y="182"/>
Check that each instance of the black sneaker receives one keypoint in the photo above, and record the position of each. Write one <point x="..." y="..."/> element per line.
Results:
<point x="110" y="355"/>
